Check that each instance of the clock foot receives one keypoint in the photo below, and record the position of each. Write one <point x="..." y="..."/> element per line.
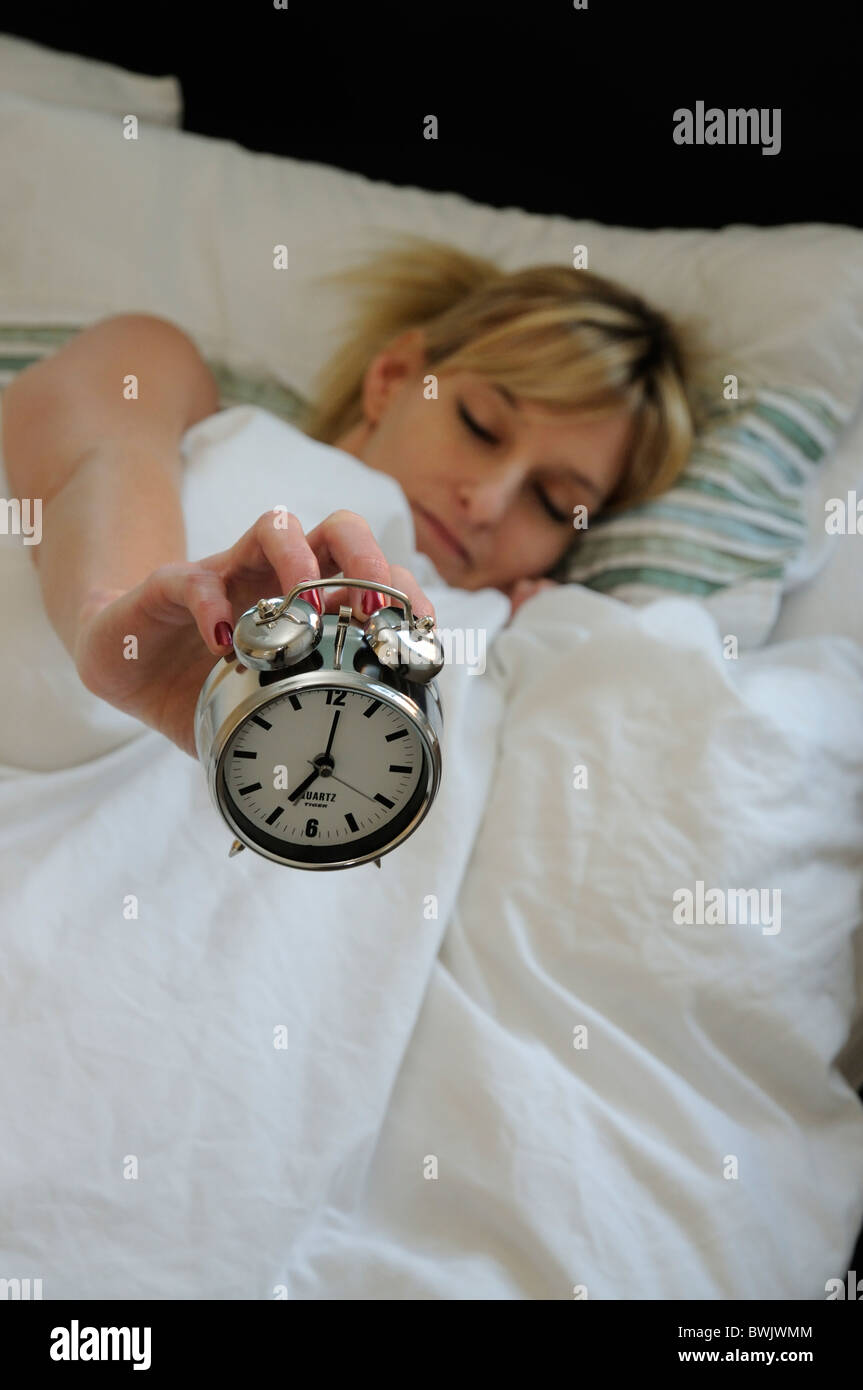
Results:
<point x="378" y="862"/>
<point x="235" y="848"/>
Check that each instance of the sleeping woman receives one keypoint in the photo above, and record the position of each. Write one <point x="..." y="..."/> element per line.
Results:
<point x="500" y="402"/>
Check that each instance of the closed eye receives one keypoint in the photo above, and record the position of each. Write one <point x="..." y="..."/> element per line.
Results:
<point x="481" y="433"/>
<point x="550" y="507"/>
<point x="472" y="425"/>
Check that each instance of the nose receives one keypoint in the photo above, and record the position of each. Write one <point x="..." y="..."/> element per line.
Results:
<point x="484" y="501"/>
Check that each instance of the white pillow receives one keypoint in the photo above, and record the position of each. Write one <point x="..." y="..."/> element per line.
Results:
<point x="827" y="586"/>
<point x="185" y="226"/>
<point x="67" y="79"/>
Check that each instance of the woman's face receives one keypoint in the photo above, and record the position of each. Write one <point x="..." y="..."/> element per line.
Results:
<point x="486" y="469"/>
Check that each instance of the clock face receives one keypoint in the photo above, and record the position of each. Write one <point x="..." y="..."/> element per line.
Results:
<point x="323" y="774"/>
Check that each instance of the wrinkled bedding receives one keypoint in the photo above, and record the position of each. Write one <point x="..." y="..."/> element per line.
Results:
<point x="513" y="1068"/>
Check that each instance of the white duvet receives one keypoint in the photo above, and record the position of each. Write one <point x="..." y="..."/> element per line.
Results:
<point x="513" y="1069"/>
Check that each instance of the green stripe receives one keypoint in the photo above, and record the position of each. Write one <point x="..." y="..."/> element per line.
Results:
<point x="669" y="579"/>
<point x="17" y="364"/>
<point x="756" y="447"/>
<point x="758" y="532"/>
<point x="746" y="477"/>
<point x="794" y="431"/>
<point x="822" y="409"/>
<point x="817" y="402"/>
<point x="239" y="388"/>
<point x="46" y="333"/>
<point x="757" y="495"/>
<point x="699" y="560"/>
<point x="801" y="443"/>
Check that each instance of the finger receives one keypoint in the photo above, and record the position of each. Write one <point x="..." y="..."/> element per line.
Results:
<point x="173" y="592"/>
<point x="401" y="578"/>
<point x="334" y="598"/>
<point x="275" y="543"/>
<point x="420" y="602"/>
<point x="343" y="543"/>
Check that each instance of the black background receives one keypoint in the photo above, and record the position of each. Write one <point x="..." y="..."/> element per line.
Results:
<point x="540" y="105"/>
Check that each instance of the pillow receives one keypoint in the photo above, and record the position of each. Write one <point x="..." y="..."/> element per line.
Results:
<point x="822" y="604"/>
<point x="187" y="230"/>
<point x="67" y="79"/>
<point x="733" y="531"/>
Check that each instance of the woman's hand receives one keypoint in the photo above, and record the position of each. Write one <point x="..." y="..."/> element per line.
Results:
<point x="173" y="615"/>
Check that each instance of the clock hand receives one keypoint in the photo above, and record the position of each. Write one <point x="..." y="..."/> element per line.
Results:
<point x="348" y="785"/>
<point x="298" y="791"/>
<point x="332" y="734"/>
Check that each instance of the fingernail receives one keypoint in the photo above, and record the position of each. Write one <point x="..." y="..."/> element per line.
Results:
<point x="372" y="600"/>
<point x="224" y="634"/>
<point x="313" y="597"/>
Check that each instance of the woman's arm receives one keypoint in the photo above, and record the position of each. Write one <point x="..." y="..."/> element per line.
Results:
<point x="105" y="468"/>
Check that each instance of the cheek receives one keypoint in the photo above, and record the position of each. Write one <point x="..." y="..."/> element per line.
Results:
<point x="540" y="546"/>
<point x="396" y="448"/>
<point x="524" y="541"/>
<point x="420" y="445"/>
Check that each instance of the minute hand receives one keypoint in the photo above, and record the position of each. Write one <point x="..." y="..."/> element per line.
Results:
<point x="346" y="784"/>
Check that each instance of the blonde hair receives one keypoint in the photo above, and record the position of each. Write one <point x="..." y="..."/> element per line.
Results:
<point x="565" y="339"/>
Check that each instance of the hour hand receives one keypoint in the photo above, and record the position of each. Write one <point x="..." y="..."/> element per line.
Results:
<point x="298" y="791"/>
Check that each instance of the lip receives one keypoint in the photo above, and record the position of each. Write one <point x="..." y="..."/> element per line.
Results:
<point x="446" y="537"/>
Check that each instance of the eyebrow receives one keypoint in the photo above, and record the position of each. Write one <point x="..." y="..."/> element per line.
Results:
<point x="573" y="472"/>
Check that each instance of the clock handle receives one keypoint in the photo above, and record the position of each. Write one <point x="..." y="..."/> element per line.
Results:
<point x="276" y="607"/>
<point x="414" y="651"/>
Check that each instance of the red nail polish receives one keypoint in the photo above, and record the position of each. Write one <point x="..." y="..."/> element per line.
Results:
<point x="224" y="634"/>
<point x="313" y="597"/>
<point x="372" y="600"/>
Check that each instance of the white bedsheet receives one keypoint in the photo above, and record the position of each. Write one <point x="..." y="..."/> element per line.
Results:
<point x="430" y="1131"/>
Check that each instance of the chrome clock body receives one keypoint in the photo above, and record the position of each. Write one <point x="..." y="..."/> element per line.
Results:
<point x="320" y="678"/>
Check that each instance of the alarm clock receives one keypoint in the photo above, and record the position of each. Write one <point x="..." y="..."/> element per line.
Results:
<point x="321" y="738"/>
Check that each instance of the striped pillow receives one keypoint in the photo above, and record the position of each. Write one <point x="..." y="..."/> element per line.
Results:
<point x="736" y="518"/>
